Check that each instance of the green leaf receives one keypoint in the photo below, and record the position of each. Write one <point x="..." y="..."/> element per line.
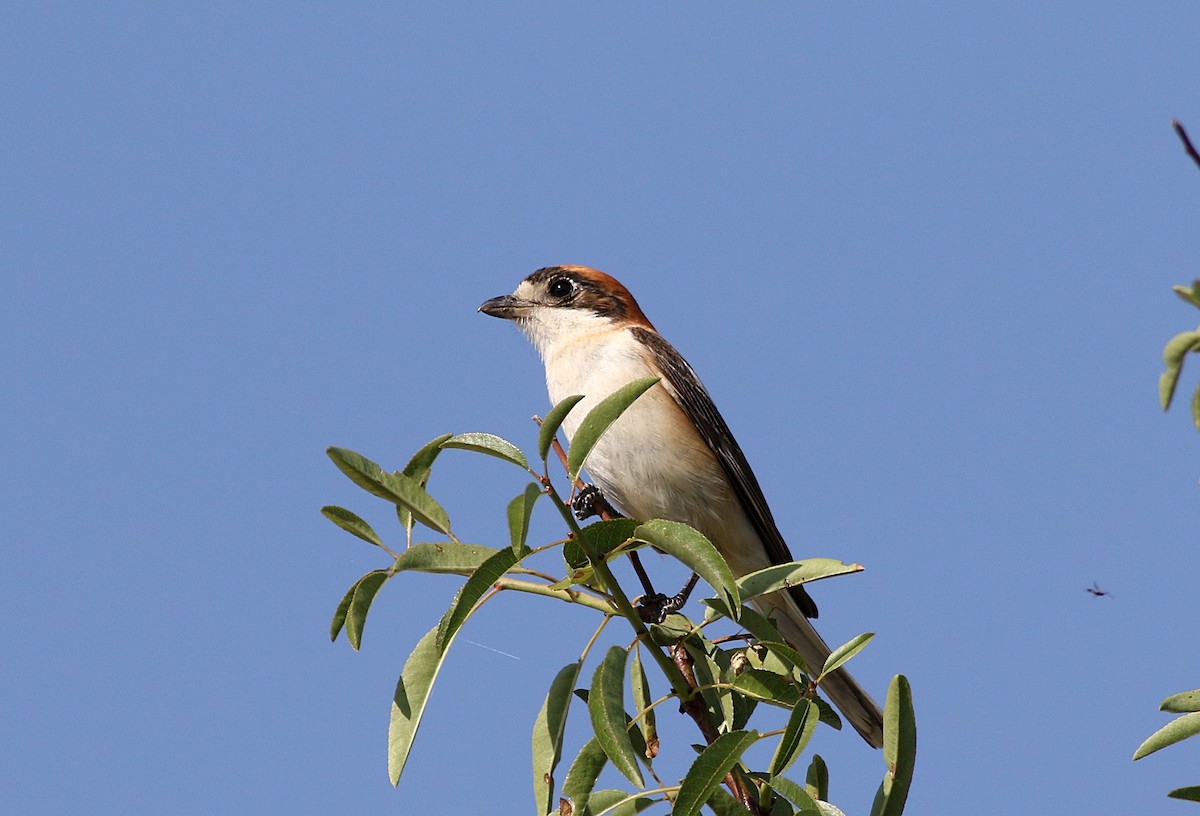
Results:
<point x="1176" y="730"/>
<point x="412" y="694"/>
<point x="477" y="585"/>
<point x="351" y="523"/>
<point x="816" y="780"/>
<point x="706" y="773"/>
<point x="782" y="656"/>
<point x="798" y="796"/>
<point x="606" y="704"/>
<point x="1191" y="295"/>
<point x="419" y="467"/>
<point x="548" y="735"/>
<point x="722" y="804"/>
<point x="360" y="604"/>
<point x="520" y="510"/>
<point x="581" y="777"/>
<point x="603" y="537"/>
<point x="421" y="463"/>
<point x="766" y="687"/>
<point x="800" y="727"/>
<point x="899" y="749"/>
<point x="629" y="805"/>
<point x="339" y="617"/>
<point x="394" y="487"/>
<point x="447" y="557"/>
<point x="641" y="702"/>
<point x="489" y="444"/>
<point x="844" y="652"/>
<point x="695" y="551"/>
<point x="794" y="573"/>
<point x="1191" y="794"/>
<point x="1182" y="703"/>
<point x="1196" y="408"/>
<point x="750" y="619"/>
<point x="1173" y="354"/>
<point x="708" y="674"/>
<point x="598" y="421"/>
<point x="553" y="422"/>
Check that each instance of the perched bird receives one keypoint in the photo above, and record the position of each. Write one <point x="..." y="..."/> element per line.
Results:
<point x="670" y="455"/>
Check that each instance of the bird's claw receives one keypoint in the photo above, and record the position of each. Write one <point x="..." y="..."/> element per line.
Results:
<point x="590" y="501"/>
<point x="655" y="608"/>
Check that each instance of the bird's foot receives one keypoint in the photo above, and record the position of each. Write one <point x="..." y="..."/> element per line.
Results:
<point x="654" y="608"/>
<point x="590" y="501"/>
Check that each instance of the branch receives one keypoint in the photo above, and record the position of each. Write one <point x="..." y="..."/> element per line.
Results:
<point x="1188" y="147"/>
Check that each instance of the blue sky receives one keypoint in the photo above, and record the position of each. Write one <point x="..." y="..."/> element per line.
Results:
<point x="920" y="256"/>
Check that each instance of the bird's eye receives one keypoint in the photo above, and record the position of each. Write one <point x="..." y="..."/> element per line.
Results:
<point x="561" y="287"/>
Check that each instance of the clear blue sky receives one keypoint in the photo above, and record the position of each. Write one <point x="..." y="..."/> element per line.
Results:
<point x="921" y="257"/>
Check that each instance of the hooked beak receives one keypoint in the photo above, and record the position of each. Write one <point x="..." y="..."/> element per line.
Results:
<point x="505" y="306"/>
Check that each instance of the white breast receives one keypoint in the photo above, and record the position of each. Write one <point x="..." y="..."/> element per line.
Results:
<point x="652" y="463"/>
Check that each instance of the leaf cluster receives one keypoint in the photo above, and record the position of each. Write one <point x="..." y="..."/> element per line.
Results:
<point x="718" y="682"/>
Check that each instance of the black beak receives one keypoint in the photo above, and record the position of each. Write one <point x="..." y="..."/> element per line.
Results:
<point x="505" y="306"/>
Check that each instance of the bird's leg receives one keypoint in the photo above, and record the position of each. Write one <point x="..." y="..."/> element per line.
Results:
<point x="655" y="607"/>
<point x="589" y="501"/>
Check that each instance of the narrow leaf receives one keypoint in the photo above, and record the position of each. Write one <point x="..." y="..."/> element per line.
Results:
<point x="606" y="704"/>
<point x="364" y="593"/>
<point x="449" y="557"/>
<point x="489" y="444"/>
<point x="631" y="805"/>
<point x="394" y="487"/>
<point x="781" y="654"/>
<point x="603" y="537"/>
<point x="598" y="421"/>
<point x="706" y="773"/>
<point x="412" y="694"/>
<point x="708" y="674"/>
<point x="816" y="779"/>
<point x="581" y="776"/>
<point x="421" y="463"/>
<point x="548" y="735"/>
<point x="351" y="523"/>
<point x="695" y="551"/>
<point x="641" y="703"/>
<point x="798" y="796"/>
<point x="766" y="687"/>
<point x="1173" y="353"/>
<point x="899" y="749"/>
<point x="1196" y="408"/>
<point x="477" y="585"/>
<point x="552" y="422"/>
<point x="1177" y="729"/>
<point x="339" y="616"/>
<point x="404" y="491"/>
<point x="794" y="573"/>
<point x="1189" y="295"/>
<point x="520" y="510"/>
<point x="844" y="652"/>
<point x="751" y="619"/>
<point x="1190" y="794"/>
<point x="800" y="727"/>
<point x="722" y="804"/>
<point x="419" y="467"/>
<point x="1182" y="703"/>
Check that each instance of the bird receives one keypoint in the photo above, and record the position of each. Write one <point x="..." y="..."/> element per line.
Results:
<point x="671" y="455"/>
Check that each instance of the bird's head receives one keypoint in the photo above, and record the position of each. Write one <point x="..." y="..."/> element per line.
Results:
<point x="560" y="303"/>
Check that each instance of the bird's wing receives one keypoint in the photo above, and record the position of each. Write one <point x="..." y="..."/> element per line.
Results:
<point x="691" y="396"/>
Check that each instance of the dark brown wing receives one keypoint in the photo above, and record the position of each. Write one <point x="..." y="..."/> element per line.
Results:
<point x="698" y="405"/>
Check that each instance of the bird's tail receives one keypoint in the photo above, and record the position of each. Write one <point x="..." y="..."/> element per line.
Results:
<point x="845" y="692"/>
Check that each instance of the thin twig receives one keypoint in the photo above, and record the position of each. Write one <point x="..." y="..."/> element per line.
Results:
<point x="1188" y="147"/>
